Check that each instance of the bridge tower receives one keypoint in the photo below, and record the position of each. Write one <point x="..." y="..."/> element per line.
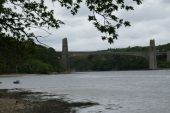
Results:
<point x="152" y="55"/>
<point x="168" y="56"/>
<point x="65" y="56"/>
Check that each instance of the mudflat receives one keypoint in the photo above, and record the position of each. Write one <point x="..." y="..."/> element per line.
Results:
<point x="31" y="102"/>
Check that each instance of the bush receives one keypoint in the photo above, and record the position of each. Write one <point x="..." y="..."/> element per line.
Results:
<point x="35" y="66"/>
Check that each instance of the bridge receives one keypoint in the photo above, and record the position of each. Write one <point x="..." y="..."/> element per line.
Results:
<point x="83" y="53"/>
<point x="150" y="55"/>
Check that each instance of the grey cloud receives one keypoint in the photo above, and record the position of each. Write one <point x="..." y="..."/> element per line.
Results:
<point x="149" y="20"/>
<point x="148" y="11"/>
<point x="82" y="12"/>
<point x="140" y="33"/>
<point x="165" y="1"/>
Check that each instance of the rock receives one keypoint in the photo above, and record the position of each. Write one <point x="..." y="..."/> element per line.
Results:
<point x="16" y="82"/>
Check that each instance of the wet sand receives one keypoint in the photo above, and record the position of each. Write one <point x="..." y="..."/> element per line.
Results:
<point x="31" y="102"/>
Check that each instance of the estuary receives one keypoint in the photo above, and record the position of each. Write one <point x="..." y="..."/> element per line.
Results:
<point x="114" y="91"/>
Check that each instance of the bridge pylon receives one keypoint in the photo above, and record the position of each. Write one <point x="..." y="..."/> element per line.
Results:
<point x="168" y="56"/>
<point x="65" y="56"/>
<point x="152" y="56"/>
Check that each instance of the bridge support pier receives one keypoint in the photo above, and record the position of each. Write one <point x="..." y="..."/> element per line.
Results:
<point x="65" y="56"/>
<point x="152" y="56"/>
<point x="168" y="56"/>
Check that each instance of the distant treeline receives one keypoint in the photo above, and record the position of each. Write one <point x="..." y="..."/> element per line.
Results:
<point x="119" y="62"/>
<point x="108" y="62"/>
<point x="24" y="56"/>
<point x="161" y="48"/>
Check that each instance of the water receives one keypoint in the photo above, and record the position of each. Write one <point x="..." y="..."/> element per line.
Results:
<point x="116" y="92"/>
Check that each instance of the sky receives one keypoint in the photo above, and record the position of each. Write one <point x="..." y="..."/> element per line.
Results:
<point x="151" y="20"/>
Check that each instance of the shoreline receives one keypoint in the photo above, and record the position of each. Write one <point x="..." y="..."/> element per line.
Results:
<point x="20" y="101"/>
<point x="36" y="74"/>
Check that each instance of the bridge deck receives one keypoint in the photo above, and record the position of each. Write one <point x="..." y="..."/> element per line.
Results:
<point x="135" y="53"/>
<point x="142" y="54"/>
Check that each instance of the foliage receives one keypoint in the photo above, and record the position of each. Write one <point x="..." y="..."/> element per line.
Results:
<point x="116" y="62"/>
<point x="35" y="66"/>
<point x="108" y="62"/>
<point x="160" y="48"/>
<point x="106" y="9"/>
<point x="164" y="64"/>
<point x="162" y="60"/>
<point x="164" y="48"/>
<point x="26" y="57"/>
<point x="18" y="17"/>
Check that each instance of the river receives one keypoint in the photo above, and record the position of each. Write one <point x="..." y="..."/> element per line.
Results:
<point x="115" y="91"/>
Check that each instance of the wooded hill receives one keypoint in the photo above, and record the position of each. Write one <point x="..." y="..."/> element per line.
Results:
<point x="24" y="56"/>
<point x="119" y="62"/>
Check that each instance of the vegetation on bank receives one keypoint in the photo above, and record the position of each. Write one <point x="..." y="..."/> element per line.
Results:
<point x="27" y="57"/>
<point x="108" y="62"/>
<point x="161" y="48"/>
<point x="24" y="56"/>
<point x="119" y="62"/>
<point x="162" y="60"/>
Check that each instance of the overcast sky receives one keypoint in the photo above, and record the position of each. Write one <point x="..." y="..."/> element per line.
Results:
<point x="151" y="20"/>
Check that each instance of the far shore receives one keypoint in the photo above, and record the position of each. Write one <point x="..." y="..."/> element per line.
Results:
<point x="55" y="73"/>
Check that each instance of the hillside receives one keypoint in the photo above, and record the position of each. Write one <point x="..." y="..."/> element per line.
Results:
<point x="24" y="56"/>
<point x="119" y="62"/>
<point x="161" y="48"/>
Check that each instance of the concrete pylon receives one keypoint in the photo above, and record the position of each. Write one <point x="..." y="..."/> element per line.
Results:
<point x="65" y="56"/>
<point x="168" y="56"/>
<point x="152" y="56"/>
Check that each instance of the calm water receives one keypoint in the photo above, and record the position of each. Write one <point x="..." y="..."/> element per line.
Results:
<point x="116" y="92"/>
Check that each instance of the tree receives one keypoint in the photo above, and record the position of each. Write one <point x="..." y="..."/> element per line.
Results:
<point x="18" y="17"/>
<point x="27" y="57"/>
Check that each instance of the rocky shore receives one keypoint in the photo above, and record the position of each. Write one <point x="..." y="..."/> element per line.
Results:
<point x="19" y="101"/>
